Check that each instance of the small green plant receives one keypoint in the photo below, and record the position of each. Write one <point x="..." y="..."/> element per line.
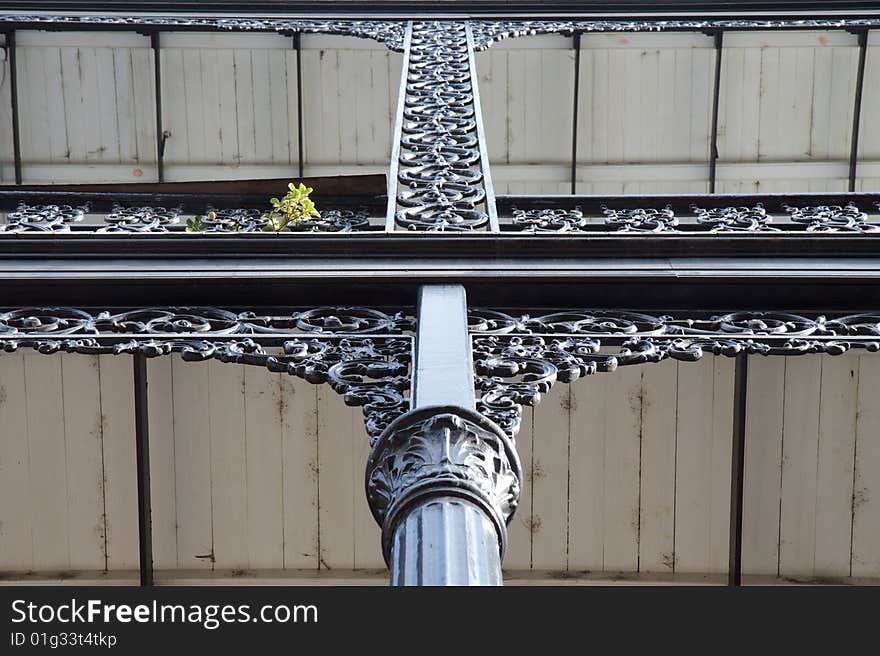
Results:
<point x="294" y="207"/>
<point x="194" y="224"/>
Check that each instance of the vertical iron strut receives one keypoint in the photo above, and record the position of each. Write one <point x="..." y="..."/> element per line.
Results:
<point x="857" y="110"/>
<point x="13" y="98"/>
<point x="142" y="449"/>
<point x="297" y="45"/>
<point x="443" y="480"/>
<point x="157" y="83"/>
<point x="716" y="94"/>
<point x="737" y="469"/>
<point x="574" y="120"/>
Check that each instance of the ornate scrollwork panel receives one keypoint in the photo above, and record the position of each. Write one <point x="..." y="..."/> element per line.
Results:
<point x="389" y="33"/>
<point x="517" y="358"/>
<point x="43" y="218"/>
<point x="140" y="219"/>
<point x="752" y="219"/>
<point x="363" y="354"/>
<point x="150" y="219"/>
<point x="488" y="32"/>
<point x="440" y="177"/>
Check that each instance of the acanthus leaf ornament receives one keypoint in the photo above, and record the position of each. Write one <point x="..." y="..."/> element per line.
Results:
<point x="440" y="452"/>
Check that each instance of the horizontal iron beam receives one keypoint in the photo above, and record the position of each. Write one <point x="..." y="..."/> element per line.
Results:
<point x="448" y="7"/>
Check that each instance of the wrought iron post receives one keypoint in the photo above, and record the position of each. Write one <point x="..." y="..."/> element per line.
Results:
<point x="443" y="480"/>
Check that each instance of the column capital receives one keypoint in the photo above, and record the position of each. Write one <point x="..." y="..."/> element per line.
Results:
<point x="443" y="451"/>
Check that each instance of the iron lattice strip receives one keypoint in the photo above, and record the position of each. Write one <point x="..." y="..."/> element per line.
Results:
<point x="63" y="218"/>
<point x="387" y="32"/>
<point x="363" y="354"/>
<point x="440" y="179"/>
<point x="486" y="33"/>
<point x="519" y="357"/>
<point x="709" y="217"/>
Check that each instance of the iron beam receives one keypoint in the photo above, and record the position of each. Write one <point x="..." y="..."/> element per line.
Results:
<point x="13" y="99"/>
<point x="443" y="480"/>
<point x="142" y="444"/>
<point x="857" y="109"/>
<point x="737" y="470"/>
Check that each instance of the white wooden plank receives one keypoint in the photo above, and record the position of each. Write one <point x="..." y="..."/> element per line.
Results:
<point x="703" y="452"/>
<point x="6" y="146"/>
<point x="586" y="469"/>
<point x="623" y="409"/>
<point x="227" y="108"/>
<point x="519" y="532"/>
<point x="81" y="402"/>
<point x="16" y="518"/>
<point x="163" y="475"/>
<point x="550" y="485"/>
<point x="192" y="464"/>
<point x="120" y="461"/>
<point x="492" y="81"/>
<point x="658" y="471"/>
<point x="263" y="413"/>
<point x="223" y="400"/>
<point x="213" y="108"/>
<point x="300" y="469"/>
<point x="722" y="449"/>
<point x="337" y="482"/>
<point x="800" y="445"/>
<point x="764" y="418"/>
<point x="174" y="107"/>
<point x="47" y="461"/>
<point x="603" y="530"/>
<point x="866" y="492"/>
<point x="244" y="102"/>
<point x="144" y="90"/>
<point x="367" y="534"/>
<point x="837" y="429"/>
<point x="192" y="88"/>
<point x="282" y="131"/>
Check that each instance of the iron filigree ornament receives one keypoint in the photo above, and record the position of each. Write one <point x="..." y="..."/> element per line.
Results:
<point x="363" y="354"/>
<point x="517" y="358"/>
<point x="440" y="180"/>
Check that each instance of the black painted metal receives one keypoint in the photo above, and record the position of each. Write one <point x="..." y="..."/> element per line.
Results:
<point x="857" y="109"/>
<point x="451" y="9"/>
<point x="716" y="94"/>
<point x="155" y="44"/>
<point x="441" y="182"/>
<point x="13" y="96"/>
<point x="519" y="356"/>
<point x="574" y="121"/>
<point x="737" y="469"/>
<point x="684" y="203"/>
<point x="297" y="45"/>
<point x="142" y="451"/>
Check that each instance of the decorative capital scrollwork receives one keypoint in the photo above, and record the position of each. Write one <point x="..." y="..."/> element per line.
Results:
<point x="443" y="451"/>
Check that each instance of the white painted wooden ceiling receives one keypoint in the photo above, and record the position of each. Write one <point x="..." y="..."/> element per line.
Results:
<point x="627" y="474"/>
<point x="644" y="118"/>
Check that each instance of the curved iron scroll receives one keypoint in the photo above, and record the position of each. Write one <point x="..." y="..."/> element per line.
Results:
<point x="517" y="358"/>
<point x="363" y="354"/>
